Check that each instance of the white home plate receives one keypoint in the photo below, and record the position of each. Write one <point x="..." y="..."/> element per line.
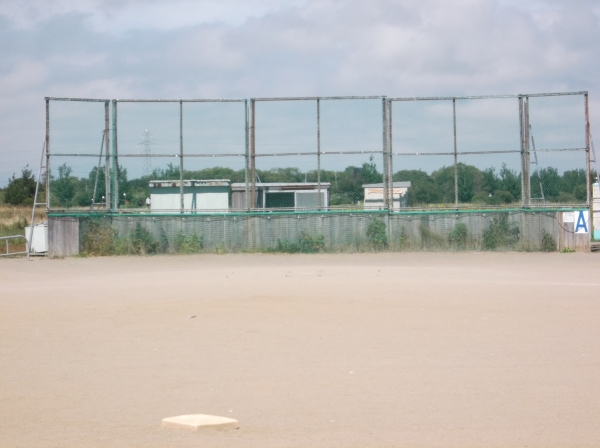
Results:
<point x="198" y="421"/>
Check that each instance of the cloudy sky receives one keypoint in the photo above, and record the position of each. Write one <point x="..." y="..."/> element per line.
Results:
<point x="249" y="48"/>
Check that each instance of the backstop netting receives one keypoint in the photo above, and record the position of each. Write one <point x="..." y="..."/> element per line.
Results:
<point x="333" y="172"/>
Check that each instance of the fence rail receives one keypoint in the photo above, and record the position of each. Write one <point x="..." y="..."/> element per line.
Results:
<point x="7" y="246"/>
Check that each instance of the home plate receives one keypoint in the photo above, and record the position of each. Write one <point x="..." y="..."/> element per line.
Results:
<point x="195" y="422"/>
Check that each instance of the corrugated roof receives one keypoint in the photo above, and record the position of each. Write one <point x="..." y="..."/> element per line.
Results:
<point x="406" y="184"/>
<point x="190" y="183"/>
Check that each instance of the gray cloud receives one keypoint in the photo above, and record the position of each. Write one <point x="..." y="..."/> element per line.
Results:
<point x="242" y="49"/>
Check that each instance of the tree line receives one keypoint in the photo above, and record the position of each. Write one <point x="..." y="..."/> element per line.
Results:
<point x="475" y="186"/>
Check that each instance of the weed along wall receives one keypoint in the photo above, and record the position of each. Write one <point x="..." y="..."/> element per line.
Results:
<point x="142" y="234"/>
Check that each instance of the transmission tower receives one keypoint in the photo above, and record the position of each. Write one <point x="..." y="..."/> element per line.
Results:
<point x="147" y="144"/>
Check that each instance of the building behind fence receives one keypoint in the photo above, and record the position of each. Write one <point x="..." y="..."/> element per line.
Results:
<point x="315" y="173"/>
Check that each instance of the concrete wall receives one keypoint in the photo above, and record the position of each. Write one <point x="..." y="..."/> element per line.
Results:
<point x="63" y="236"/>
<point x="340" y="231"/>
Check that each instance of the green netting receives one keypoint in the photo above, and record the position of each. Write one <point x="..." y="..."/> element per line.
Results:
<point x="342" y="153"/>
<point x="315" y="232"/>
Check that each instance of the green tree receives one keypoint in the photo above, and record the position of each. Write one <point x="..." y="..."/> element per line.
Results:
<point x="423" y="189"/>
<point x="551" y="182"/>
<point x="63" y="188"/>
<point x="510" y="181"/>
<point x="20" y="191"/>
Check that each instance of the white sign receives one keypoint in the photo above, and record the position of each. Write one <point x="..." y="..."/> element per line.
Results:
<point x="568" y="216"/>
<point x="582" y="219"/>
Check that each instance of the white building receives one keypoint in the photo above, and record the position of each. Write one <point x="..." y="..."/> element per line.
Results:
<point x="283" y="195"/>
<point x="374" y="196"/>
<point x="198" y="196"/>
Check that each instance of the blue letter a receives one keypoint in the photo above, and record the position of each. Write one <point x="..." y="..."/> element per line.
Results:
<point x="581" y="223"/>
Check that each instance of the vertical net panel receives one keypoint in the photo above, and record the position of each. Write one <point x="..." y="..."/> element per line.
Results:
<point x="557" y="150"/>
<point x="286" y="163"/>
<point x="489" y="152"/>
<point x="422" y="147"/>
<point x="462" y="169"/>
<point x="147" y="149"/>
<point x="214" y="148"/>
<point x="351" y="145"/>
<point x="77" y="155"/>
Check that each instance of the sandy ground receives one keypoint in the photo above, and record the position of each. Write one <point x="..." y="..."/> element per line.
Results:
<point x="376" y="350"/>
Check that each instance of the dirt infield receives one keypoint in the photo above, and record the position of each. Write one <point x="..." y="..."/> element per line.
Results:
<point x="376" y="350"/>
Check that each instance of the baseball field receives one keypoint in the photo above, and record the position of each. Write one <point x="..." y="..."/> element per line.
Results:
<point x="331" y="350"/>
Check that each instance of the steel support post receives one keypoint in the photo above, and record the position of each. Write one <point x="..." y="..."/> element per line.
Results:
<point x="47" y="154"/>
<point x="252" y="153"/>
<point x="524" y="124"/>
<point x="106" y="154"/>
<point x="386" y="173"/>
<point x="246" y="157"/>
<point x="112" y="197"/>
<point x="319" y="151"/>
<point x="587" y="157"/>
<point x="455" y="154"/>
<point x="390" y="154"/>
<point x="181" y="205"/>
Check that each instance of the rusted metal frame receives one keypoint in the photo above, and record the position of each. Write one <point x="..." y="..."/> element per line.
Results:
<point x="246" y="155"/>
<point x="114" y="184"/>
<point x="252" y="153"/>
<point x="521" y="144"/>
<point x="527" y="153"/>
<point x="312" y="153"/>
<point x="524" y="128"/>
<point x="508" y="151"/>
<point x="107" y="153"/>
<point x="153" y="155"/>
<point x="587" y="154"/>
<point x="455" y="153"/>
<point x="485" y="97"/>
<point x="181" y="205"/>
<point x="98" y="171"/>
<point x="284" y="154"/>
<point x="390" y="157"/>
<point x="199" y="100"/>
<point x="47" y="153"/>
<point x="319" y="151"/>
<point x="314" y="98"/>
<point x="384" y="153"/>
<point x="86" y="100"/>
<point x="371" y="97"/>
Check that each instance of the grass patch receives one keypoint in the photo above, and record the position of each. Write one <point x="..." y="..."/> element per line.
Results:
<point x="306" y="244"/>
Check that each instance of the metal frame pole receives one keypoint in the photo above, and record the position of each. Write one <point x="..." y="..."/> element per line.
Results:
<point x="587" y="155"/>
<point x="246" y="157"/>
<point x="455" y="154"/>
<point x="524" y="125"/>
<point x="47" y="154"/>
<point x="181" y="204"/>
<point x="110" y="203"/>
<point x="319" y="152"/>
<point x="527" y="155"/>
<point x="386" y="181"/>
<point x="107" y="154"/>
<point x="252" y="153"/>
<point x="390" y="152"/>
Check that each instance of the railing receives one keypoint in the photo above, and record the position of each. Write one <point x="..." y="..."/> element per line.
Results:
<point x="8" y="253"/>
